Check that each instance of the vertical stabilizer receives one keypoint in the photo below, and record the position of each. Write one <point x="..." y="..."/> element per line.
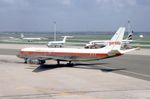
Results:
<point x="130" y="36"/>
<point x="64" y="39"/>
<point x="22" y="36"/>
<point x="116" y="40"/>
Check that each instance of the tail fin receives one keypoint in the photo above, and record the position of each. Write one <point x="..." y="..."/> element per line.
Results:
<point x="116" y="40"/>
<point x="22" y="36"/>
<point x="64" y="39"/>
<point x="130" y="36"/>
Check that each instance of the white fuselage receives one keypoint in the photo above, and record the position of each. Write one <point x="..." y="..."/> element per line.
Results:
<point x="69" y="54"/>
<point x="31" y="38"/>
<point x="103" y="43"/>
<point x="58" y="43"/>
<point x="55" y="44"/>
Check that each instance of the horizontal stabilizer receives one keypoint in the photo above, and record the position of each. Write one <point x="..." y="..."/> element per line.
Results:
<point x="128" y="50"/>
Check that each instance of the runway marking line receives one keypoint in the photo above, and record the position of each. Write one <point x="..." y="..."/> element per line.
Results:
<point x="129" y="72"/>
<point x="137" y="73"/>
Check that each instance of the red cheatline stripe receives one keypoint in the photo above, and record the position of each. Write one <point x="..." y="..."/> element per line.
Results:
<point x="63" y="53"/>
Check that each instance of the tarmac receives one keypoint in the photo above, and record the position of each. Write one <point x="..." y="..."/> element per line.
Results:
<point x="124" y="77"/>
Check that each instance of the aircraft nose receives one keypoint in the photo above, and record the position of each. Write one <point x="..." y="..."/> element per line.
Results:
<point x="19" y="54"/>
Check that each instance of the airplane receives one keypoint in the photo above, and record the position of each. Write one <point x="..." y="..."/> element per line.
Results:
<point x="40" y="55"/>
<point x="103" y="43"/>
<point x="29" y="39"/>
<point x="58" y="43"/>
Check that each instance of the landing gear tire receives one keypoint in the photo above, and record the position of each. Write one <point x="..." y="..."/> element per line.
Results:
<point x="25" y="60"/>
<point x="58" y="62"/>
<point x="70" y="63"/>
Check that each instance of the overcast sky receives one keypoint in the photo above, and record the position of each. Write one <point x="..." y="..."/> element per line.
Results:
<point x="73" y="15"/>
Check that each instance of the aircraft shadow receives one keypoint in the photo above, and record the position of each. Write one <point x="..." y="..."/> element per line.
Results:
<point x="49" y="67"/>
<point x="95" y="66"/>
<point x="103" y="69"/>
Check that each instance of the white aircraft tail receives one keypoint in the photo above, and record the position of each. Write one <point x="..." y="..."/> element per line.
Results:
<point x="116" y="40"/>
<point x="22" y="36"/>
<point x="65" y="37"/>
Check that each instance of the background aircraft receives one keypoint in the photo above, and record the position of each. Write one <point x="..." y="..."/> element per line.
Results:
<point x="40" y="55"/>
<point x="29" y="39"/>
<point x="103" y="43"/>
<point x="58" y="43"/>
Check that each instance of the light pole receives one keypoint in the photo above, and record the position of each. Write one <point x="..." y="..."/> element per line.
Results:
<point x="129" y="26"/>
<point x="54" y="30"/>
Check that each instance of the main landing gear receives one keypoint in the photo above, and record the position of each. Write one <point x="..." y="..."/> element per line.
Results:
<point x="34" y="61"/>
<point x="41" y="62"/>
<point x="69" y="63"/>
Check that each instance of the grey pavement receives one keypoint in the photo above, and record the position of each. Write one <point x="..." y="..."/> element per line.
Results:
<point x="124" y="77"/>
<point x="26" y="81"/>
